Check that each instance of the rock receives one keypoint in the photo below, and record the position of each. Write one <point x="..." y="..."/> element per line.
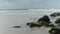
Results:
<point x="27" y="23"/>
<point x="43" y="23"/>
<point x="31" y="25"/>
<point x="45" y="18"/>
<point x="16" y="26"/>
<point x="55" y="14"/>
<point x="57" y="31"/>
<point x="52" y="25"/>
<point x="54" y="30"/>
<point x="57" y="21"/>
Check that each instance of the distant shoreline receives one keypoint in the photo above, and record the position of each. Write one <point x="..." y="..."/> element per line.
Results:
<point x="34" y="9"/>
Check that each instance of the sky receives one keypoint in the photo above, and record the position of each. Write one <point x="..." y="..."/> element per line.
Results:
<point x="29" y="4"/>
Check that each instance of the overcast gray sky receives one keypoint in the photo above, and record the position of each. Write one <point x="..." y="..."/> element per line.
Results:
<point x="28" y="4"/>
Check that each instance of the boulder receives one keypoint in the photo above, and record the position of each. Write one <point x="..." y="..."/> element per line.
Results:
<point x="45" y="18"/>
<point x="54" y="30"/>
<point x="57" y="31"/>
<point x="57" y="21"/>
<point x="55" y="14"/>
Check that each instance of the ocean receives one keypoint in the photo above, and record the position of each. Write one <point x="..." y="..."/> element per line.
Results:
<point x="10" y="18"/>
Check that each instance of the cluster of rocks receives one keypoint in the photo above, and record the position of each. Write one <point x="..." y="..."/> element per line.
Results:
<point x="55" y="30"/>
<point x="55" y="15"/>
<point x="45" y="21"/>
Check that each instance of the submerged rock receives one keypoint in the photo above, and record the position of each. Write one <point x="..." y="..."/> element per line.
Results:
<point x="57" y="21"/>
<point x="16" y="26"/>
<point x="55" y="14"/>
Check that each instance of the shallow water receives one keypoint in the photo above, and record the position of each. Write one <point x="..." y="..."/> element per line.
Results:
<point x="10" y="18"/>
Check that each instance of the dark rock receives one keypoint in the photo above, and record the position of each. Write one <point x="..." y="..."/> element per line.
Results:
<point x="33" y="25"/>
<point x="57" y="31"/>
<point x="54" y="30"/>
<point x="45" y="24"/>
<point x="57" y="21"/>
<point x="52" y="25"/>
<point x="55" y="14"/>
<point x="17" y="26"/>
<point x="27" y="23"/>
<point x="45" y="18"/>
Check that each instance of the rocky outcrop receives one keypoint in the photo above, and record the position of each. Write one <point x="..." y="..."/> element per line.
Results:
<point x="55" y="14"/>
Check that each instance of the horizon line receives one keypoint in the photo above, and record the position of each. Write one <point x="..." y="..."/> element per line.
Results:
<point x="28" y="9"/>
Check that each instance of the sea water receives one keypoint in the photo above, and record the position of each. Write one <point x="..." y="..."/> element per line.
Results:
<point x="10" y="18"/>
